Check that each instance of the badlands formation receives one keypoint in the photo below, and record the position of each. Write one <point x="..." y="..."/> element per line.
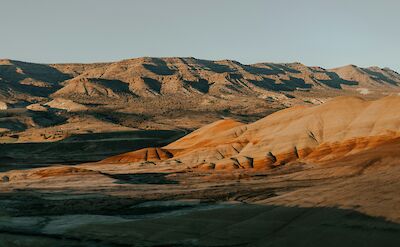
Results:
<point x="342" y="126"/>
<point x="303" y="176"/>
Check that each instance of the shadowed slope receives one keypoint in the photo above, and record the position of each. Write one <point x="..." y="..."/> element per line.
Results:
<point x="28" y="80"/>
<point x="92" y="88"/>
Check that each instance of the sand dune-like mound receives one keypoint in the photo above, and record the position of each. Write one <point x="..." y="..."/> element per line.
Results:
<point x="147" y="154"/>
<point x="340" y="127"/>
<point x="66" y="104"/>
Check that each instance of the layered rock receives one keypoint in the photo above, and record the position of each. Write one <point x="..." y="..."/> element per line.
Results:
<point x="340" y="127"/>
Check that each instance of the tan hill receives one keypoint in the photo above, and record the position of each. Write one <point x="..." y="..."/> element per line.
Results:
<point x="372" y="76"/>
<point x="342" y="126"/>
<point x="66" y="104"/>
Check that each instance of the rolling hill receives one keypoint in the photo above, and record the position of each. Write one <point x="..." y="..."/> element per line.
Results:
<point x="150" y="77"/>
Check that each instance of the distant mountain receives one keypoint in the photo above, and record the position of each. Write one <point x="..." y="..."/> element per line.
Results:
<point x="151" y="77"/>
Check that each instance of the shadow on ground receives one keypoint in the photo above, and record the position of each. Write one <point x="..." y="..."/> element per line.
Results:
<point x="142" y="178"/>
<point x="81" y="148"/>
<point x="118" y="221"/>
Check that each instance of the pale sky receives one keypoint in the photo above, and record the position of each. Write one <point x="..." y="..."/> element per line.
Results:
<point x="328" y="33"/>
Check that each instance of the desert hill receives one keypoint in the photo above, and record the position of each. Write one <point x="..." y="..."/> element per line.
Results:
<point x="371" y="76"/>
<point x="159" y="76"/>
<point x="23" y="81"/>
<point x="92" y="88"/>
<point x="342" y="126"/>
<point x="146" y="77"/>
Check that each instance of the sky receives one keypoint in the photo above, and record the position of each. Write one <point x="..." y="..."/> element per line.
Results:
<point x="327" y="33"/>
